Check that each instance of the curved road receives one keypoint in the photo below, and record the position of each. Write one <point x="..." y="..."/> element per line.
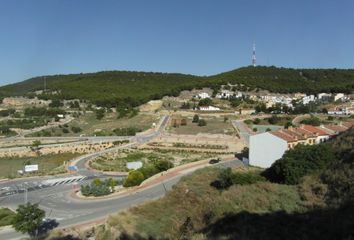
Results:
<point x="58" y="204"/>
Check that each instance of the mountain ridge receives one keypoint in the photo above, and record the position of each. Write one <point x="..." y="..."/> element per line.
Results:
<point x="110" y="87"/>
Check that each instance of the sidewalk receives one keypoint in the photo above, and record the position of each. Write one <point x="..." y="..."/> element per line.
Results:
<point x="154" y="180"/>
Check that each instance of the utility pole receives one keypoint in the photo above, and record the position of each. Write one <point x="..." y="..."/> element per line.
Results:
<point x="26" y="197"/>
<point x="164" y="187"/>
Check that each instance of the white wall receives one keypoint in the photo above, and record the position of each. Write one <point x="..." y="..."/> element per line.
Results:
<point x="265" y="149"/>
<point x="321" y="139"/>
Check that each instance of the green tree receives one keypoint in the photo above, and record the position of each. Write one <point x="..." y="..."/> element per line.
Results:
<point x="205" y="102"/>
<point x="96" y="182"/>
<point x="195" y="118"/>
<point x="100" y="113"/>
<point x="163" y="165"/>
<point x="55" y="103"/>
<point x="134" y="178"/>
<point x="36" y="143"/>
<point x="28" y="219"/>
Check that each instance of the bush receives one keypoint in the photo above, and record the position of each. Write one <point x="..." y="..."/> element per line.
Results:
<point x="76" y="129"/>
<point x="256" y="121"/>
<point x="202" y="123"/>
<point x="195" y="118"/>
<point x="274" y="119"/>
<point x="226" y="178"/>
<point x="134" y="178"/>
<point x="163" y="165"/>
<point x="205" y="102"/>
<point x="314" y="121"/>
<point x="65" y="130"/>
<point x="100" y="113"/>
<point x="244" y="178"/>
<point x="298" y="162"/>
<point x="148" y="171"/>
<point x="98" y="187"/>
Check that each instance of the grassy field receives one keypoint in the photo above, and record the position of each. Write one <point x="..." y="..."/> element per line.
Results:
<point x="6" y="216"/>
<point x="91" y="126"/>
<point x="117" y="161"/>
<point x="193" y="198"/>
<point x="215" y="125"/>
<point x="48" y="164"/>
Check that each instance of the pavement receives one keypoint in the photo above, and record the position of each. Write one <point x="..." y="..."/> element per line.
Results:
<point x="59" y="204"/>
<point x="243" y="130"/>
<point x="55" y="194"/>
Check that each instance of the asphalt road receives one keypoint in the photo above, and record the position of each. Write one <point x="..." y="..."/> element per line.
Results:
<point x="59" y="205"/>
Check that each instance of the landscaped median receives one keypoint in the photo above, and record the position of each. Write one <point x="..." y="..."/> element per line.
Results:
<point x="120" y="191"/>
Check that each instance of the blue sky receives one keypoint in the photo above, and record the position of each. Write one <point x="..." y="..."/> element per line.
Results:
<point x="201" y="37"/>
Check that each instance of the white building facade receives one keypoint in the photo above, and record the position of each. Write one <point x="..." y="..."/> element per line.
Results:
<point x="265" y="149"/>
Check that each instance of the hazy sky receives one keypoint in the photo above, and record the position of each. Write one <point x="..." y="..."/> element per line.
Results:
<point x="203" y="37"/>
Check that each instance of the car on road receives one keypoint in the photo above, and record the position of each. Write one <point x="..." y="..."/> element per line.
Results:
<point x="213" y="161"/>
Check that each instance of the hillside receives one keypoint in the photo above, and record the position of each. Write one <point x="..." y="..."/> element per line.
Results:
<point x="109" y="88"/>
<point x="285" y="80"/>
<point x="319" y="207"/>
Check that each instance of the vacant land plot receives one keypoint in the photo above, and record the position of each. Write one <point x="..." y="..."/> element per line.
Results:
<point x="6" y="216"/>
<point x="195" y="199"/>
<point x="117" y="161"/>
<point x="88" y="125"/>
<point x="48" y="164"/>
<point x="214" y="125"/>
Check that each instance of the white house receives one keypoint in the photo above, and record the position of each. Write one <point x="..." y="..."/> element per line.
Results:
<point x="209" y="108"/>
<point x="307" y="99"/>
<point x="339" y="96"/>
<point x="225" y="94"/>
<point x="202" y="95"/>
<point x="324" y="96"/>
<point x="265" y="149"/>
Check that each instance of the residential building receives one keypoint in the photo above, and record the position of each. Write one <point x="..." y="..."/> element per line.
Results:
<point x="339" y="97"/>
<point x="307" y="99"/>
<point x="266" y="148"/>
<point x="324" y="97"/>
<point x="209" y="108"/>
<point x="202" y="95"/>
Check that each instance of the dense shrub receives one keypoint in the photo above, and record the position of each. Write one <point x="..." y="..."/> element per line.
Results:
<point x="134" y="178"/>
<point x="98" y="187"/>
<point x="195" y="118"/>
<point x="76" y="129"/>
<point x="298" y="162"/>
<point x="202" y="123"/>
<point x="314" y="121"/>
<point x="226" y="178"/>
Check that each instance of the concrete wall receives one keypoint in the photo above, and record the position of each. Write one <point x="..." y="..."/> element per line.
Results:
<point x="265" y="149"/>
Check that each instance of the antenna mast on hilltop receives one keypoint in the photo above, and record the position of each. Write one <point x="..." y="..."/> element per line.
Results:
<point x="254" y="55"/>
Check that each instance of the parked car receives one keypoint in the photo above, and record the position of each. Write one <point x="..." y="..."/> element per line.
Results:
<point x="213" y="161"/>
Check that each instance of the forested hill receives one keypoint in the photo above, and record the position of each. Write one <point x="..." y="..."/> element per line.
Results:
<point x="107" y="88"/>
<point x="286" y="80"/>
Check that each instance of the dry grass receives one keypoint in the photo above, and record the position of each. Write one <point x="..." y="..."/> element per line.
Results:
<point x="47" y="163"/>
<point x="194" y="197"/>
<point x="215" y="125"/>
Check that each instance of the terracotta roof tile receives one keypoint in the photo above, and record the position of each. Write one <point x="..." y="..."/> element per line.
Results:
<point x="314" y="130"/>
